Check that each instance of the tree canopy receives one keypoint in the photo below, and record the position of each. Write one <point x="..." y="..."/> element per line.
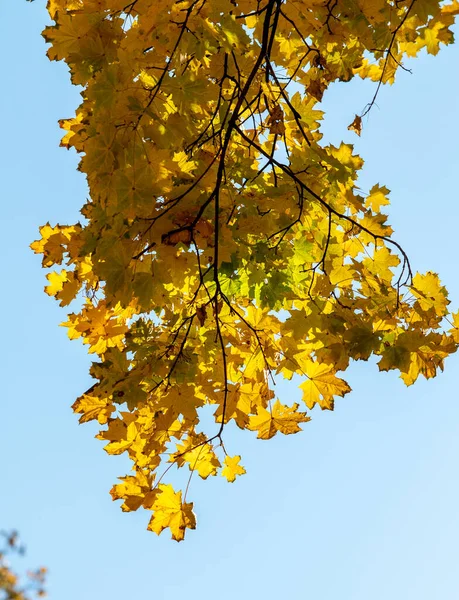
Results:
<point x="222" y="244"/>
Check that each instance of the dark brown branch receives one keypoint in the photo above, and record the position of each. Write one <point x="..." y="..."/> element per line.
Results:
<point x="325" y="204"/>
<point x="388" y="56"/>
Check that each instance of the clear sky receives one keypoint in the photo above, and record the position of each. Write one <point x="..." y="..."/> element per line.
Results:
<point x="363" y="505"/>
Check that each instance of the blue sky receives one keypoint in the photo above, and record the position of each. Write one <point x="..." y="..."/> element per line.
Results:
<point x="362" y="505"/>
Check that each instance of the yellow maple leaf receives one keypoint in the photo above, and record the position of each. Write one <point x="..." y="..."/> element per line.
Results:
<point x="169" y="511"/>
<point x="451" y="9"/>
<point x="199" y="455"/>
<point x="342" y="275"/>
<point x="70" y="289"/>
<point x="70" y="125"/>
<point x="232" y="468"/>
<point x="373" y="10"/>
<point x="135" y="491"/>
<point x="92" y="407"/>
<point x="56" y="282"/>
<point x="53" y="242"/>
<point x="426" y="362"/>
<point x="62" y="5"/>
<point x="118" y="447"/>
<point x="186" y="165"/>
<point x="430" y="293"/>
<point x="281" y="418"/>
<point x="322" y="385"/>
<point x="100" y="326"/>
<point x="377" y="198"/>
<point x="454" y="331"/>
<point x="382" y="262"/>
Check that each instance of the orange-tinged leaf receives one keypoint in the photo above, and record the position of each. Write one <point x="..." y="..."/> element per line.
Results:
<point x="356" y="125"/>
<point x="451" y="9"/>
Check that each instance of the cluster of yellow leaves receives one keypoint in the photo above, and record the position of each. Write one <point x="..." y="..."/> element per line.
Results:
<point x="222" y="244"/>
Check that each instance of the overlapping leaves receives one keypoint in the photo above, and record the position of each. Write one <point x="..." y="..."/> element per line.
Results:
<point x="222" y="244"/>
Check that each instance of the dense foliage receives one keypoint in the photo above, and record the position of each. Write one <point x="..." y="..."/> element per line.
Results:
<point x="222" y="244"/>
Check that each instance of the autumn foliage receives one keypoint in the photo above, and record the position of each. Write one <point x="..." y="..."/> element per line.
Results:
<point x="222" y="244"/>
<point x="12" y="587"/>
